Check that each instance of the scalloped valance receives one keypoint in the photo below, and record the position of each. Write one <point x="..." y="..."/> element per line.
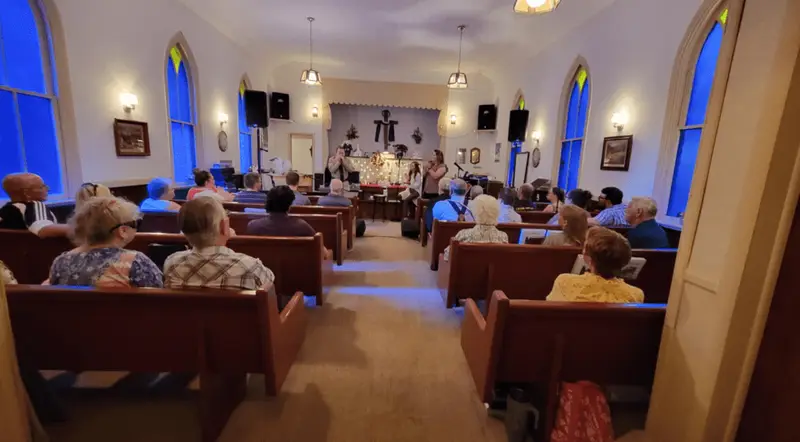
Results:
<point x="379" y="93"/>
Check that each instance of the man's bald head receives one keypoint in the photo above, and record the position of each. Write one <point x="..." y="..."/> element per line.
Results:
<point x="24" y="187"/>
<point x="337" y="187"/>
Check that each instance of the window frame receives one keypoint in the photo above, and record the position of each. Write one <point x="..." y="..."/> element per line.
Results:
<point x="48" y="59"/>
<point x="579" y="64"/>
<point x="180" y="43"/>
<point x="244" y="85"/>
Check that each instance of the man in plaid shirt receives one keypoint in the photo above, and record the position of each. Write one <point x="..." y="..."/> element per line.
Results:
<point x="614" y="212"/>
<point x="210" y="264"/>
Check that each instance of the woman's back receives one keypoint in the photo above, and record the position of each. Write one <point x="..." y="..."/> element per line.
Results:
<point x="105" y="267"/>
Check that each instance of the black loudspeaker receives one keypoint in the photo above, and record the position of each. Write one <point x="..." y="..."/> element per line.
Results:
<point x="487" y="117"/>
<point x="517" y="125"/>
<point x="279" y="106"/>
<point x="255" y="108"/>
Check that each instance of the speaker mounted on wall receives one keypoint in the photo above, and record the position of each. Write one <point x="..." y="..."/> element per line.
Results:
<point x="517" y="125"/>
<point x="487" y="117"/>
<point x="279" y="106"/>
<point x="255" y="108"/>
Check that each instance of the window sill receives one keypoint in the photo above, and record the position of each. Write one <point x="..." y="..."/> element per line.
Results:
<point x="671" y="222"/>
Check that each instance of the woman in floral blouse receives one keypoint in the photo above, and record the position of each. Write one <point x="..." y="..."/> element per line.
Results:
<point x="486" y="210"/>
<point x="102" y="227"/>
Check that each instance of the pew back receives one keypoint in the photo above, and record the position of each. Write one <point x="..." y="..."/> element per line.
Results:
<point x="348" y="217"/>
<point x="535" y="217"/>
<point x="551" y="342"/>
<point x="28" y="256"/>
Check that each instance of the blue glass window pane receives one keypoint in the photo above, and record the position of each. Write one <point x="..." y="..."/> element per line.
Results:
<point x="563" y="167"/>
<point x="184" y="98"/>
<point x="704" y="76"/>
<point x="245" y="152"/>
<point x="684" y="170"/>
<point x="10" y="151"/>
<point x="41" y="142"/>
<point x="172" y="91"/>
<point x="572" y="112"/>
<point x="23" y="56"/>
<point x="516" y="147"/>
<point x="583" y="110"/>
<point x="242" y="116"/>
<point x="574" y="164"/>
<point x="182" y="152"/>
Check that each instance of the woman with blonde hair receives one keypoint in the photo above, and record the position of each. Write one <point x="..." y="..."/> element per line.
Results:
<point x="574" y="223"/>
<point x="486" y="210"/>
<point x="102" y="227"/>
<point x="89" y="191"/>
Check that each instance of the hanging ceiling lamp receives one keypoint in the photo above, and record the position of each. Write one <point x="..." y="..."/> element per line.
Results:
<point x="535" y="6"/>
<point x="310" y="76"/>
<point x="458" y="79"/>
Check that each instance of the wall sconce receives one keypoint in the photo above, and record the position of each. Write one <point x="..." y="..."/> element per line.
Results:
<point x="315" y="112"/>
<point x="223" y="119"/>
<point x="129" y="101"/>
<point x="452" y="118"/>
<point x="536" y="136"/>
<point x="619" y="120"/>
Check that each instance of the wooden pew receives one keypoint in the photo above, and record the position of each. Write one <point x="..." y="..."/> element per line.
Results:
<point x="443" y="231"/>
<point x="222" y="335"/>
<point x="297" y="263"/>
<point x="420" y="216"/>
<point x="528" y="271"/>
<point x="348" y="217"/>
<point x="547" y="343"/>
<point x="330" y="226"/>
<point x="535" y="217"/>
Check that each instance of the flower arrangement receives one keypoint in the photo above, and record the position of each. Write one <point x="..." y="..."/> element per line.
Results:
<point x="400" y="150"/>
<point x="352" y="133"/>
<point x="377" y="159"/>
<point x="417" y="136"/>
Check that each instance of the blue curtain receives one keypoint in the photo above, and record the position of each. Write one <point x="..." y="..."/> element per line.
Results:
<point x="245" y="139"/>
<point x="181" y="113"/>
<point x="28" y="132"/>
<point x="689" y="142"/>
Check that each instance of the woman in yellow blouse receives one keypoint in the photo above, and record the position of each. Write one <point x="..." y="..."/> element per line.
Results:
<point x="605" y="253"/>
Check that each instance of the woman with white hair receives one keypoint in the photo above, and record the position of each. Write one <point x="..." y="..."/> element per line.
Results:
<point x="486" y="210"/>
<point x="89" y="191"/>
<point x="102" y="227"/>
<point x="160" y="194"/>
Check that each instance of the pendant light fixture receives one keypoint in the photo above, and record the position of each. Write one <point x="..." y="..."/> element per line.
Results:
<point x="458" y="79"/>
<point x="310" y="76"/>
<point x="535" y="6"/>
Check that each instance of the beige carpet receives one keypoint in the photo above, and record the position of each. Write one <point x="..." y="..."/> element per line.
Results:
<point x="381" y="362"/>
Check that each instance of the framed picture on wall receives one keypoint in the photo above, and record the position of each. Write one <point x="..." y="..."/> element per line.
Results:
<point x="462" y="156"/>
<point x="474" y="155"/>
<point x="497" y="148"/>
<point x="131" y="138"/>
<point x="617" y="153"/>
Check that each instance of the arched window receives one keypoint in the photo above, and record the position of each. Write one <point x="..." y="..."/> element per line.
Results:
<point x="577" y="110"/>
<point x="28" y="96"/>
<point x="245" y="134"/>
<point x="693" y="118"/>
<point x="181" y="114"/>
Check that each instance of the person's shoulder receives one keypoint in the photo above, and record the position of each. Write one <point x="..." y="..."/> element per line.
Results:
<point x="175" y="258"/>
<point x="634" y="294"/>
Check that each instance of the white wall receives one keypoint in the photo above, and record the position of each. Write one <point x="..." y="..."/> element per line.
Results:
<point x="630" y="49"/>
<point x="363" y="118"/>
<point x="115" y="46"/>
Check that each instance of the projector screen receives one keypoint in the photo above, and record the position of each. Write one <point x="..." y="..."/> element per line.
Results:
<point x="520" y="169"/>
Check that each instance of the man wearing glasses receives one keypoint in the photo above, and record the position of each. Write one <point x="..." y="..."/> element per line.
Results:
<point x="614" y="212"/>
<point x="26" y="210"/>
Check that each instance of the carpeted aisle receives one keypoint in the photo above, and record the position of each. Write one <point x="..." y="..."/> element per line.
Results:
<point x="382" y="361"/>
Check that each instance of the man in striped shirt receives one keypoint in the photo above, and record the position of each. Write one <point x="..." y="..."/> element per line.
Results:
<point x="252" y="194"/>
<point x="26" y="210"/>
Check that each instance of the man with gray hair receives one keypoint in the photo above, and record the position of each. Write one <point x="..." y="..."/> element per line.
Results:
<point x="210" y="264"/>
<point x="444" y="194"/>
<point x="252" y="193"/>
<point x="646" y="233"/>
<point x="336" y="196"/>
<point x="525" y="198"/>
<point x="454" y="208"/>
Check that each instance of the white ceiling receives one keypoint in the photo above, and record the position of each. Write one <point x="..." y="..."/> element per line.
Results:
<point x="418" y="38"/>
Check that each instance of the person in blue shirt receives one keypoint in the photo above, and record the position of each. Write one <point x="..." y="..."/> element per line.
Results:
<point x="646" y="233"/>
<point x="454" y="208"/>
<point x="160" y="194"/>
<point x="252" y="193"/>
<point x="614" y="212"/>
<point x="293" y="180"/>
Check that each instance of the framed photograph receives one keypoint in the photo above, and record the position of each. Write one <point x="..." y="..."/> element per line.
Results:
<point x="617" y="153"/>
<point x="461" y="156"/>
<point x="131" y="138"/>
<point x="474" y="155"/>
<point x="497" y="148"/>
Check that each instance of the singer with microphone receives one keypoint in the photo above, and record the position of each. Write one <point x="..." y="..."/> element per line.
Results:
<point x="339" y="166"/>
<point x="434" y="171"/>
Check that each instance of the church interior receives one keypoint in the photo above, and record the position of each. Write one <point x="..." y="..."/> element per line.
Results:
<point x="420" y="220"/>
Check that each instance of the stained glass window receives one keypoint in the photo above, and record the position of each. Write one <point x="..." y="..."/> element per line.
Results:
<point x="691" y="128"/>
<point x="521" y="103"/>
<point x="574" y="130"/>
<point x="245" y="134"/>
<point x="181" y="115"/>
<point x="28" y="126"/>
<point x="516" y="147"/>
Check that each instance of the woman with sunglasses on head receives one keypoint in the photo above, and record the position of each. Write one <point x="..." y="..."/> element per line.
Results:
<point x="89" y="191"/>
<point x="102" y="227"/>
